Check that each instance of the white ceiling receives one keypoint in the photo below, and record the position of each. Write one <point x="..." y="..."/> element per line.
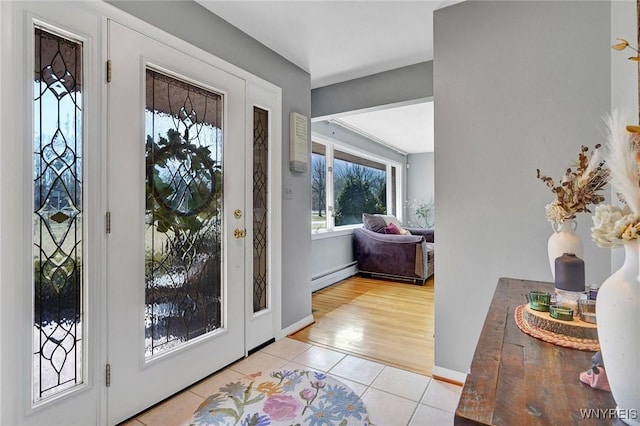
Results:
<point x="341" y="40"/>
<point x="407" y="128"/>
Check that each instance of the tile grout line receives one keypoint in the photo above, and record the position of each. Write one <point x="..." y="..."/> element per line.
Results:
<point x="415" y="409"/>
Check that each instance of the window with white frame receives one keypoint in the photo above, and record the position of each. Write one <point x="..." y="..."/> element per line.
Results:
<point x="346" y="182"/>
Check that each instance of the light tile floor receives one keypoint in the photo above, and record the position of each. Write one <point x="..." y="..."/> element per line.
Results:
<point x="393" y="397"/>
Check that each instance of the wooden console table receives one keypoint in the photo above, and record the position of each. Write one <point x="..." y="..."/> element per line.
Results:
<point x="516" y="379"/>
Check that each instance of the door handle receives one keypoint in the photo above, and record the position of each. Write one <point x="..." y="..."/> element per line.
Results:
<point x="239" y="233"/>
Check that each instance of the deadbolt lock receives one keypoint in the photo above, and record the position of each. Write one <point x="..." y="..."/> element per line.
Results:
<point x="237" y="213"/>
<point x="239" y="233"/>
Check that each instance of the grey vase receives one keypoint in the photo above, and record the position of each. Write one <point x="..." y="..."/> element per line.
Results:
<point x="569" y="273"/>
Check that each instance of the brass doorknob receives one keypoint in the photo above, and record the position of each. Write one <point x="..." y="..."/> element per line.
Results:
<point x="239" y="233"/>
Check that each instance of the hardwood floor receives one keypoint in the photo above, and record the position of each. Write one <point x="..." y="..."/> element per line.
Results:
<point x="381" y="320"/>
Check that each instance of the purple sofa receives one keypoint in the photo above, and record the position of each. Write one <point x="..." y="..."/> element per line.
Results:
<point x="398" y="256"/>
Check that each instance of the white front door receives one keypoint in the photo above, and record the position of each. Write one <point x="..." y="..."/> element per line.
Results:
<point x="176" y="197"/>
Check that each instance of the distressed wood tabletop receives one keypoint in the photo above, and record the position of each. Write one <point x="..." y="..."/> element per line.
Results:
<point x="516" y="379"/>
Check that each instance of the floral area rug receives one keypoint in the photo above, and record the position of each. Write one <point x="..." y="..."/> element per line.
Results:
<point x="283" y="397"/>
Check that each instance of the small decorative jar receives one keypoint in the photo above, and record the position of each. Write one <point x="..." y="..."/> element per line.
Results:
<point x="593" y="292"/>
<point x="569" y="273"/>
<point x="539" y="300"/>
<point x="569" y="281"/>
<point x="560" y="312"/>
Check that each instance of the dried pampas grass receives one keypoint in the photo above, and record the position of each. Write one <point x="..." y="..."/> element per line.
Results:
<point x="621" y="154"/>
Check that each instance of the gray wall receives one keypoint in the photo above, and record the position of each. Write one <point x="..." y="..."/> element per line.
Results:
<point x="331" y="255"/>
<point x="196" y="25"/>
<point x="390" y="87"/>
<point x="420" y="179"/>
<point x="517" y="86"/>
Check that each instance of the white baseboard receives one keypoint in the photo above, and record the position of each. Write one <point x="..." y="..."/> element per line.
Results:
<point x="295" y="327"/>
<point x="317" y="284"/>
<point x="449" y="375"/>
<point x="334" y="277"/>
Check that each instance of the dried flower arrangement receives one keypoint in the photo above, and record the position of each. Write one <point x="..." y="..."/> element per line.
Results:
<point x="578" y="189"/>
<point x="614" y="225"/>
<point x="622" y="45"/>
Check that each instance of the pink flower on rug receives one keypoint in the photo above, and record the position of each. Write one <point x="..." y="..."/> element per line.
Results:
<point x="308" y="394"/>
<point x="281" y="407"/>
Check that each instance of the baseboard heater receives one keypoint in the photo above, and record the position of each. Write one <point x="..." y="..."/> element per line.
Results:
<point x="333" y="276"/>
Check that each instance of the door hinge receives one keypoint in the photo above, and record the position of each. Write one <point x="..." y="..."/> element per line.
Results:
<point x="108" y="222"/>
<point x="107" y="371"/>
<point x="108" y="70"/>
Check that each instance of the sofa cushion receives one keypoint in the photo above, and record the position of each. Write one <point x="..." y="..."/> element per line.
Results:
<point x="389" y="219"/>
<point x="392" y="229"/>
<point x="428" y="234"/>
<point x="373" y="223"/>
<point x="400" y="256"/>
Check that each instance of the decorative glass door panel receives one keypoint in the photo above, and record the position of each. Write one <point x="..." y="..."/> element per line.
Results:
<point x="260" y="194"/>
<point x="183" y="250"/>
<point x="58" y="349"/>
<point x="51" y="248"/>
<point x="262" y="188"/>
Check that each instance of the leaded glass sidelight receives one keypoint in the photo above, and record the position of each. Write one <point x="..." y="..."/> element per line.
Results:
<point x="260" y="175"/>
<point x="183" y="213"/>
<point x="58" y="348"/>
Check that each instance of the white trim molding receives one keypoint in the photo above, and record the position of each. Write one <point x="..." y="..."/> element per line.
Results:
<point x="449" y="375"/>
<point x="296" y="326"/>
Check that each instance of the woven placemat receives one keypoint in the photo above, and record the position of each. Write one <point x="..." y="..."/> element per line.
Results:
<point x="551" y="337"/>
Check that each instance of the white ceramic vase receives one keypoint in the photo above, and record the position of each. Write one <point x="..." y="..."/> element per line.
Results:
<point x="618" y="316"/>
<point x="563" y="240"/>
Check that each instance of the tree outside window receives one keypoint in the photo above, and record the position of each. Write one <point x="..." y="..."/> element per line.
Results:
<point x="358" y="189"/>
<point x="345" y="184"/>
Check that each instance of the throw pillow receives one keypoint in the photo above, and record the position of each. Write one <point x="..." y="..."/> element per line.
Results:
<point x="392" y="229"/>
<point x="389" y="219"/>
<point x="373" y="223"/>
